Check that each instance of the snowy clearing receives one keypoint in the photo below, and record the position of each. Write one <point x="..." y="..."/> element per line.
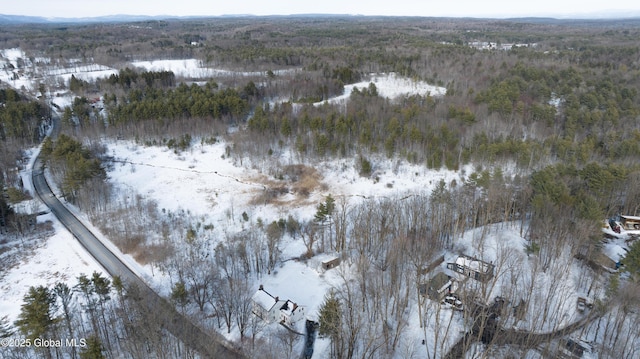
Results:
<point x="196" y="69"/>
<point x="390" y="86"/>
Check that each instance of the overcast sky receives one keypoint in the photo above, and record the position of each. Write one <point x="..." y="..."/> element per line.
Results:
<point x="458" y="8"/>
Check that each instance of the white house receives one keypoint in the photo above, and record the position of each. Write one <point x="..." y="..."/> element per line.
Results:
<point x="472" y="267"/>
<point x="272" y="309"/>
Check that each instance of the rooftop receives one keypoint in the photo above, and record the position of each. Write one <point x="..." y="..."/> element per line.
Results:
<point x="264" y="299"/>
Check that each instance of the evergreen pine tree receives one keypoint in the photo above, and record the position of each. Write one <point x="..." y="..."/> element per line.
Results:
<point x="37" y="313"/>
<point x="632" y="261"/>
<point x="325" y="210"/>
<point x="331" y="323"/>
<point x="180" y="295"/>
<point x="330" y="316"/>
<point x="93" y="349"/>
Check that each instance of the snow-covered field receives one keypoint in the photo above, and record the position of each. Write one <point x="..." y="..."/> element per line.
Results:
<point x="60" y="258"/>
<point x="205" y="183"/>
<point x="19" y="71"/>
<point x="390" y="86"/>
<point x="209" y="186"/>
<point x="193" y="68"/>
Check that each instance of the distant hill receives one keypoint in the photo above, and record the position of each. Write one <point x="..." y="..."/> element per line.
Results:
<point x="19" y="19"/>
<point x="600" y="22"/>
<point x="579" y="18"/>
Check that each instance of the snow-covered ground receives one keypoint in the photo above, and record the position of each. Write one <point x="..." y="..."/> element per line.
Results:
<point x="19" y="71"/>
<point x="209" y="186"/>
<point x="390" y="86"/>
<point x="58" y="258"/>
<point x="202" y="181"/>
<point x="207" y="183"/>
<point x="519" y="276"/>
<point x="193" y="68"/>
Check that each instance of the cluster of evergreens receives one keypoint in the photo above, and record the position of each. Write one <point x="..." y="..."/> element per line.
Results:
<point x="183" y="102"/>
<point x="76" y="85"/>
<point x="128" y="77"/>
<point x="371" y="124"/>
<point x="585" y="189"/>
<point x="20" y="118"/>
<point x="76" y="163"/>
<point x="79" y="113"/>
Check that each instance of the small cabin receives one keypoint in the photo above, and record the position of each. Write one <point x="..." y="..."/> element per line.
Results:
<point x="331" y="263"/>
<point x="472" y="267"/>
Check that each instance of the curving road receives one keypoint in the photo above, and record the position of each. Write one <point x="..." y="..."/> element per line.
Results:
<point x="208" y="345"/>
<point x="499" y="336"/>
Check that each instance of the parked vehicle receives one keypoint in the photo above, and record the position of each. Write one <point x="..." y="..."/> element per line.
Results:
<point x="576" y="347"/>
<point x="452" y="301"/>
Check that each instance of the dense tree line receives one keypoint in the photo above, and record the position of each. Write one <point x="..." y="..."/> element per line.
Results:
<point x="128" y="77"/>
<point x="586" y="126"/>
<point x="371" y="124"/>
<point x="23" y="122"/>
<point x="73" y="163"/>
<point x="20" y="118"/>
<point x="183" y="102"/>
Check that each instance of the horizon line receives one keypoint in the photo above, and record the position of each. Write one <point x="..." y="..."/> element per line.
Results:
<point x="605" y="15"/>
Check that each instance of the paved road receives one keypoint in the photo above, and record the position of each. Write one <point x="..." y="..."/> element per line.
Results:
<point x="208" y="345"/>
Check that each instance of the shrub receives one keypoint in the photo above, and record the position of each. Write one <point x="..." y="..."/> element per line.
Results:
<point x="365" y="167"/>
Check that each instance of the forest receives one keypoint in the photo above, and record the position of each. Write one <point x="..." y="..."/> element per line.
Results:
<point x="544" y="127"/>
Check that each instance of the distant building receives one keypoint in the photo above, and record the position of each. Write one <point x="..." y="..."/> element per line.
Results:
<point x="272" y="309"/>
<point x="488" y="45"/>
<point x="472" y="267"/>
